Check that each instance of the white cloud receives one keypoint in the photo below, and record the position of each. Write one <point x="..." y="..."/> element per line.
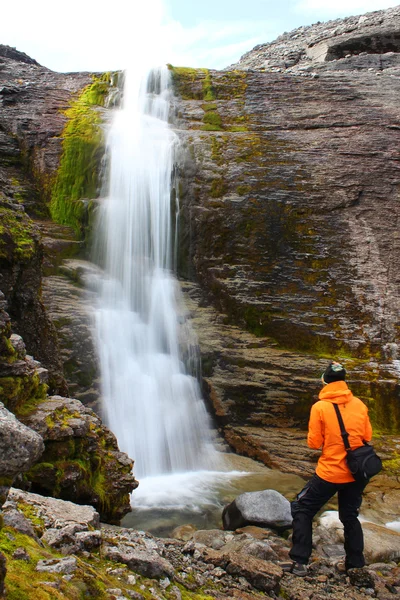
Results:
<point x="320" y="9"/>
<point x="92" y="35"/>
<point x="212" y="44"/>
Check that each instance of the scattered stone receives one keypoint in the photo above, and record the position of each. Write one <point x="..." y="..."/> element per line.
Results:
<point x="147" y="564"/>
<point x="361" y="578"/>
<point x="16" y="519"/>
<point x="56" y="538"/>
<point x="164" y="583"/>
<point x="63" y="565"/>
<point x="184" y="532"/>
<point x="21" y="554"/>
<point x="89" y="540"/>
<point x="136" y="595"/>
<point x="263" y="575"/>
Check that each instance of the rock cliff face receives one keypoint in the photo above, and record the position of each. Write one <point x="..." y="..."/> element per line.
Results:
<point x="289" y="209"/>
<point x="32" y="100"/>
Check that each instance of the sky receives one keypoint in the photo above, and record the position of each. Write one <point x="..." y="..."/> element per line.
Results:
<point x="103" y="35"/>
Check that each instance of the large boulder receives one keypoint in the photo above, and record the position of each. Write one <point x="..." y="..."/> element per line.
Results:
<point x="380" y="543"/>
<point x="53" y="512"/>
<point x="20" y="447"/>
<point x="267" y="508"/>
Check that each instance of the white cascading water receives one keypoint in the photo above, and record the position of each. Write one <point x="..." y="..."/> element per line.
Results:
<point x="153" y="406"/>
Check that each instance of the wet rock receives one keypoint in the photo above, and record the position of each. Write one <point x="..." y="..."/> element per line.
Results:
<point x="69" y="300"/>
<point x="184" y="532"/>
<point x="267" y="508"/>
<point x="380" y="543"/>
<point x="212" y="538"/>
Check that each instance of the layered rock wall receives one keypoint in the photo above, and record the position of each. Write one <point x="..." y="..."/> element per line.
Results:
<point x="289" y="213"/>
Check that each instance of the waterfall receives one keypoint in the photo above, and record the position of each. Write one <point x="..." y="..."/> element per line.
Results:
<point x="151" y="403"/>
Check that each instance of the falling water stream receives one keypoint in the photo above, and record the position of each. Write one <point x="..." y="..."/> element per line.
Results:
<point x="151" y="400"/>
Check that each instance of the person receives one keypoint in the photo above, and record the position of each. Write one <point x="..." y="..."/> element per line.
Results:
<point x="332" y="473"/>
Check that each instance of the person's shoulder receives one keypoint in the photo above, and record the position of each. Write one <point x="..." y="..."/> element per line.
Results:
<point x="359" y="403"/>
<point x="318" y="405"/>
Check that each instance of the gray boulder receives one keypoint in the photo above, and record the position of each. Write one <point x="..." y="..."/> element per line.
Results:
<point x="267" y="508"/>
<point x="20" y="447"/>
<point x="55" y="513"/>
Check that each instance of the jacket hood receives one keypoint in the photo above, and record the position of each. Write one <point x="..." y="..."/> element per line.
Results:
<point x="336" y="392"/>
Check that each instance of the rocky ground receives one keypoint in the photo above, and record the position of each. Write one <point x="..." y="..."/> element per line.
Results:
<point x="56" y="549"/>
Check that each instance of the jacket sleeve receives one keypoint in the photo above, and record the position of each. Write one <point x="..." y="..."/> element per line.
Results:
<point x="368" y="429"/>
<point x="315" y="437"/>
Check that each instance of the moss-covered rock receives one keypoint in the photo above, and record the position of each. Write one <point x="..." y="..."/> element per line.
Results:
<point x="77" y="178"/>
<point x="81" y="461"/>
<point x="18" y="236"/>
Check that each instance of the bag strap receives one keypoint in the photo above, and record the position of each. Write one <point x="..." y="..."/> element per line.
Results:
<point x="343" y="431"/>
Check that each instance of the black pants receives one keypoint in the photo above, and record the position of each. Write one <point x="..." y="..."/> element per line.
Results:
<point x="310" y="500"/>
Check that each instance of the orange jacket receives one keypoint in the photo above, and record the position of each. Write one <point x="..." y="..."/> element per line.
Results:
<point x="324" y="430"/>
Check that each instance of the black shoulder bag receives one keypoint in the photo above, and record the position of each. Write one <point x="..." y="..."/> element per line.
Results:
<point x="363" y="462"/>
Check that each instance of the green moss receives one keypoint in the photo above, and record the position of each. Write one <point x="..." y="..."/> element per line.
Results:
<point x="187" y="82"/>
<point x="21" y="395"/>
<point x="218" y="188"/>
<point x="242" y="190"/>
<point x="83" y="148"/>
<point x="237" y="128"/>
<point x="208" y="90"/>
<point x="209" y="106"/>
<point x="392" y="466"/>
<point x="31" y="513"/>
<point x="18" y="237"/>
<point x="212" y="121"/>
<point x="62" y="417"/>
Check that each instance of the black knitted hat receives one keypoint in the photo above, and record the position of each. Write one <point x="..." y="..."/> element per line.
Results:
<point x="334" y="372"/>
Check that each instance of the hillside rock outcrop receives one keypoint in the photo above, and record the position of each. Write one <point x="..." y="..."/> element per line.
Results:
<point x="369" y="41"/>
